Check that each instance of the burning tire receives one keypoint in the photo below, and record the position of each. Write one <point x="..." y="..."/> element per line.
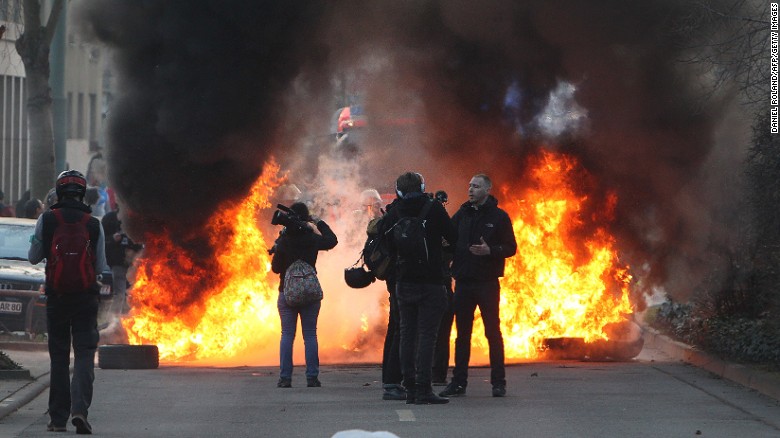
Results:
<point x="128" y="357"/>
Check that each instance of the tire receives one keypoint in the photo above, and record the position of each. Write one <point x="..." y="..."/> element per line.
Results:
<point x="128" y="357"/>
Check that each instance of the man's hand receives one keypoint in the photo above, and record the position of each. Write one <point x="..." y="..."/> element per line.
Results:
<point x="482" y="249"/>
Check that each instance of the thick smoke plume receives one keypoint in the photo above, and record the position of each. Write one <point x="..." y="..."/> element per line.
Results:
<point x="208" y="90"/>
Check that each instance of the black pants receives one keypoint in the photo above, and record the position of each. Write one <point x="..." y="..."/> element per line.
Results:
<point x="441" y="354"/>
<point x="469" y="296"/>
<point x="71" y="320"/>
<point x="391" y="354"/>
<point x="421" y="307"/>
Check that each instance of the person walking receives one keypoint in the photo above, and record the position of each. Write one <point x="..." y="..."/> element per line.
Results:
<point x="300" y="241"/>
<point x="485" y="240"/>
<point x="417" y="225"/>
<point x="72" y="294"/>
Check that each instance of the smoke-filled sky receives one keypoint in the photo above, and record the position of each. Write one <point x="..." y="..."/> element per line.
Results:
<point x="207" y="91"/>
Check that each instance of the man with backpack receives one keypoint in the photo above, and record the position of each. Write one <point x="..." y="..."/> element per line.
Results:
<point x="414" y="229"/>
<point x="485" y="240"/>
<point x="73" y="244"/>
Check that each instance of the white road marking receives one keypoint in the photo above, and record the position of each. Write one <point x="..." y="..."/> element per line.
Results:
<point x="405" y="415"/>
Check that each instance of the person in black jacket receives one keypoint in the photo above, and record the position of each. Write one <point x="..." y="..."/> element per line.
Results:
<point x="71" y="315"/>
<point x="485" y="240"/>
<point x="119" y="246"/>
<point x="299" y="243"/>
<point x="420" y="293"/>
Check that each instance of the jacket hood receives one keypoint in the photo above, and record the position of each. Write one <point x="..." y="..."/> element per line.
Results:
<point x="411" y="204"/>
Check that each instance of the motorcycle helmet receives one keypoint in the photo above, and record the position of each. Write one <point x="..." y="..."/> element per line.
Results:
<point x="358" y="277"/>
<point x="71" y="182"/>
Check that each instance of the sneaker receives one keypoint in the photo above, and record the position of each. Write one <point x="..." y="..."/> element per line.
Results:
<point x="453" y="390"/>
<point x="52" y="428"/>
<point x="499" y="390"/>
<point x="284" y="383"/>
<point x="82" y="425"/>
<point x="313" y="382"/>
<point x="394" y="392"/>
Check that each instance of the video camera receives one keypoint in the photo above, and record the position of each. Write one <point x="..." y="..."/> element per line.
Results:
<point x="440" y="196"/>
<point x="286" y="217"/>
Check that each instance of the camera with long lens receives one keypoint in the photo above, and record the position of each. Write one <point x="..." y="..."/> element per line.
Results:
<point x="287" y="218"/>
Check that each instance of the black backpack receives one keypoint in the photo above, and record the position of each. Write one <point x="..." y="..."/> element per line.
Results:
<point x="376" y="254"/>
<point x="411" y="245"/>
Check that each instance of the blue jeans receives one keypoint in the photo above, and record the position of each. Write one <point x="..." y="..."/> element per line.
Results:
<point x="289" y="319"/>
<point x="71" y="318"/>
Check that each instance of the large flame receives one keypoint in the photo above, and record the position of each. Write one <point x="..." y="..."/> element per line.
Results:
<point x="559" y="284"/>
<point x="240" y="307"/>
<point x="563" y="282"/>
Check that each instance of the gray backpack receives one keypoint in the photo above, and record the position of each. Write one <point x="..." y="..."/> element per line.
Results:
<point x="301" y="285"/>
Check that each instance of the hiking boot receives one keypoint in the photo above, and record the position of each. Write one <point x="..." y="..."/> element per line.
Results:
<point x="453" y="390"/>
<point x="313" y="382"/>
<point x="499" y="390"/>
<point x="393" y="392"/>
<point x="284" y="383"/>
<point x="82" y="425"/>
<point x="52" y="428"/>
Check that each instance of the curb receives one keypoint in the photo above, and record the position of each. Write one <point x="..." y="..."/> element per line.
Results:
<point x="745" y="375"/>
<point x="23" y="395"/>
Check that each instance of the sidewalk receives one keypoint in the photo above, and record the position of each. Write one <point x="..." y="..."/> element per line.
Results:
<point x="15" y="393"/>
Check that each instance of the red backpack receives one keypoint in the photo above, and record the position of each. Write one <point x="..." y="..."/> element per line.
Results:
<point x="71" y="264"/>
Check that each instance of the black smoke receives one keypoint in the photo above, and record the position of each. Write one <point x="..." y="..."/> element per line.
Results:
<point x="208" y="90"/>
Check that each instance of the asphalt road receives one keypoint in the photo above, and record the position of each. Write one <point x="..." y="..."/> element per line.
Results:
<point x="652" y="396"/>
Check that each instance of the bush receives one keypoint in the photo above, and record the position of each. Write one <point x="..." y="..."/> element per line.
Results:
<point x="6" y="363"/>
<point x="741" y="339"/>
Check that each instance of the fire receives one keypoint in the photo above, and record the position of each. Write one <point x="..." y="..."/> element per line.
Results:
<point x="239" y="305"/>
<point x="563" y="282"/>
<point x="558" y="284"/>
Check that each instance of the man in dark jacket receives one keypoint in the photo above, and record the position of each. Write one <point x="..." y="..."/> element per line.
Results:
<point x="485" y="240"/>
<point x="71" y="315"/>
<point x="420" y="290"/>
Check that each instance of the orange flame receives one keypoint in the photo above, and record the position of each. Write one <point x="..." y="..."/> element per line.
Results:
<point x="558" y="285"/>
<point x="240" y="306"/>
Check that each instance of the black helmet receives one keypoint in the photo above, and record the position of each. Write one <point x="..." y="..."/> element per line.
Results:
<point x="358" y="277"/>
<point x="71" y="182"/>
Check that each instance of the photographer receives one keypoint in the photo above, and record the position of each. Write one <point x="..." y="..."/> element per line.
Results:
<point x="301" y="239"/>
<point x="120" y="250"/>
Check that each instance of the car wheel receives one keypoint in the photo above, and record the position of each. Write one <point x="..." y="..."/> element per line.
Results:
<point x="128" y="357"/>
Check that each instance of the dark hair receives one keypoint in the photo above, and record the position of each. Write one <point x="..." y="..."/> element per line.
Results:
<point x="409" y="182"/>
<point x="301" y="210"/>
<point x="31" y="208"/>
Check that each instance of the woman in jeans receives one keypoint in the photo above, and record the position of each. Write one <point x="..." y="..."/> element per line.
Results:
<point x="301" y="239"/>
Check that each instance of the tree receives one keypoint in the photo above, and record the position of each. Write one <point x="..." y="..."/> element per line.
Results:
<point x="33" y="47"/>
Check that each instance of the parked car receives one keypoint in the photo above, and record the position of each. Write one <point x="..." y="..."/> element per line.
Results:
<point x="22" y="298"/>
